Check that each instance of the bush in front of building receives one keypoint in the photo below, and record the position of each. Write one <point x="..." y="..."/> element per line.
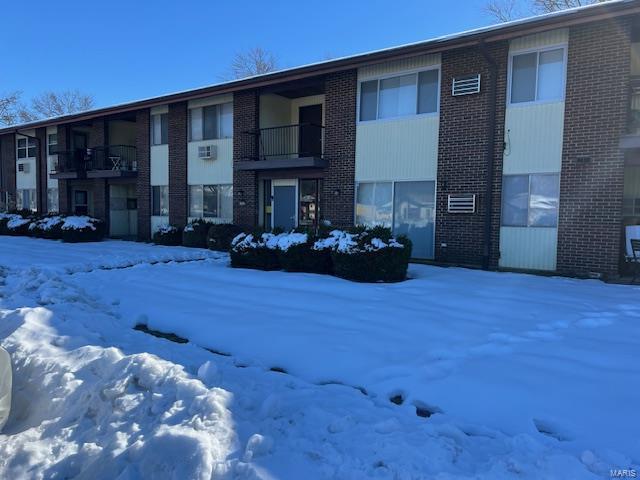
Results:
<point x="195" y="233"/>
<point x="17" y="224"/>
<point x="257" y="250"/>
<point x="372" y="255"/>
<point x="168" y="235"/>
<point x="220" y="235"/>
<point x="297" y="254"/>
<point x="49" y="227"/>
<point x="78" y="229"/>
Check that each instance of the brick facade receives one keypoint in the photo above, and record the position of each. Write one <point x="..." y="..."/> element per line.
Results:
<point x="340" y="148"/>
<point x="8" y="163"/>
<point x="245" y="186"/>
<point x="42" y="170"/>
<point x="178" y="191"/>
<point x="143" y="181"/>
<point x="591" y="182"/>
<point x="462" y="155"/>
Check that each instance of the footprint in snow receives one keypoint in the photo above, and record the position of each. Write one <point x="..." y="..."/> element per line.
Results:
<point x="551" y="429"/>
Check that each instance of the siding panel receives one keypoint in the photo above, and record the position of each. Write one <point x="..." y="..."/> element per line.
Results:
<point x="389" y="68"/>
<point x="528" y="248"/>
<point x="210" y="172"/>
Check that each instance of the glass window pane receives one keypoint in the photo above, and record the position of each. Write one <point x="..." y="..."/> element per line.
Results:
<point x="155" y="200"/>
<point x="364" y="204"/>
<point x="397" y="96"/>
<point x="523" y="77"/>
<point x="382" y="199"/>
<point x="428" y="91"/>
<point x="22" y="143"/>
<point x="22" y="152"/>
<point x="414" y="215"/>
<point x="196" y="123"/>
<point x="551" y="75"/>
<point x="226" y="202"/>
<point x="308" y="202"/>
<point x="226" y="120"/>
<point x="210" y="122"/>
<point x="52" y="200"/>
<point x="210" y="202"/>
<point x="164" y="129"/>
<point x="515" y="200"/>
<point x="156" y="130"/>
<point x="164" y="200"/>
<point x="195" y="200"/>
<point x="368" y="100"/>
<point x="543" y="201"/>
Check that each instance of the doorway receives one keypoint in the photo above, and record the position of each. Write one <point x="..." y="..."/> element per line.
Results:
<point x="310" y="141"/>
<point x="284" y="204"/>
<point x="123" y="211"/>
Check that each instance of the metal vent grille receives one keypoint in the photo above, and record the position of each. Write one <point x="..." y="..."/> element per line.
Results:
<point x="23" y="167"/>
<point x="461" y="203"/>
<point x="466" y="85"/>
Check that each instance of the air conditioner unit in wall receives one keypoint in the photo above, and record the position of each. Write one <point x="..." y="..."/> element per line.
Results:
<point x="24" y="167"/>
<point x="465" y="203"/>
<point x="466" y="85"/>
<point x="207" y="152"/>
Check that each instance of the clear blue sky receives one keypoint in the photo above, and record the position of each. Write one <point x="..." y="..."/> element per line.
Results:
<point x="121" y="50"/>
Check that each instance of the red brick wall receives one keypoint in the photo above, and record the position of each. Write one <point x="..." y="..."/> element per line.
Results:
<point x="143" y="189"/>
<point x="462" y="155"/>
<point x="596" y="106"/>
<point x="340" y="148"/>
<point x="245" y="192"/>
<point x="8" y="161"/>
<point x="178" y="192"/>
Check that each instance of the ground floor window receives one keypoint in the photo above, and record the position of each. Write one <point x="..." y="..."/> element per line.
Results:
<point x="408" y="208"/>
<point x="211" y="201"/>
<point x="309" y="190"/>
<point x="80" y="202"/>
<point x="530" y="200"/>
<point x="52" y="200"/>
<point x="26" y="199"/>
<point x="160" y="200"/>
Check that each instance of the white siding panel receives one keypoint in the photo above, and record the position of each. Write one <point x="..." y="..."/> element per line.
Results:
<point x="403" y="149"/>
<point x="540" y="40"/>
<point x="159" y="110"/>
<point x="203" y="102"/>
<point x="210" y="172"/>
<point x="26" y="180"/>
<point x="160" y="165"/>
<point x="389" y="68"/>
<point x="533" y="136"/>
<point x="528" y="248"/>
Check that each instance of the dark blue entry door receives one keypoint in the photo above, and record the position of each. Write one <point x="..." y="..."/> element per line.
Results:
<point x="284" y="207"/>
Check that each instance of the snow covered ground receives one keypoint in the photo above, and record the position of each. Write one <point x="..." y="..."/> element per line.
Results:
<point x="496" y="375"/>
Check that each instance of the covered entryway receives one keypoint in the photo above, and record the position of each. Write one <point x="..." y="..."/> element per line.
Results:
<point x="285" y="205"/>
<point x="123" y="210"/>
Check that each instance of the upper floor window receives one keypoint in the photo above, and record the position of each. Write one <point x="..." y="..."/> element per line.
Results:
<point x="211" y="122"/>
<point x="159" y="129"/>
<point x="402" y="95"/>
<point x="52" y="143"/>
<point x="537" y="76"/>
<point x="26" y="147"/>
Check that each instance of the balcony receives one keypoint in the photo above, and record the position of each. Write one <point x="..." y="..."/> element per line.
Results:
<point x="107" y="161"/>
<point x="286" y="147"/>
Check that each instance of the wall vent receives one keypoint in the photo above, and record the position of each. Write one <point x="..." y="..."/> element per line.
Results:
<point x="461" y="203"/>
<point x="207" y="152"/>
<point x="23" y="167"/>
<point x="466" y="85"/>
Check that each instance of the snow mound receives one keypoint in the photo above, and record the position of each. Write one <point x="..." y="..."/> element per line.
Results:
<point x="78" y="223"/>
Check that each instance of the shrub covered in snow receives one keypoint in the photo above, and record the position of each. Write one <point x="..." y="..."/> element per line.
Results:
<point x="369" y="255"/>
<point x="14" y="224"/>
<point x="194" y="234"/>
<point x="257" y="250"/>
<point x="76" y="229"/>
<point x="168" y="235"/>
<point x="47" y="227"/>
<point x="220" y="236"/>
<point x="299" y="255"/>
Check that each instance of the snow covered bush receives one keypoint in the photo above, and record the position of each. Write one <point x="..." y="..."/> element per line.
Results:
<point x="220" y="236"/>
<point x="195" y="233"/>
<point x="258" y="250"/>
<point x="368" y="255"/>
<point x="76" y="229"/>
<point x="49" y="227"/>
<point x="14" y="224"/>
<point x="168" y="235"/>
<point x="299" y="255"/>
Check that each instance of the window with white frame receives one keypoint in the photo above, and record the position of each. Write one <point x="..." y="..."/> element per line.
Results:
<point x="211" y="122"/>
<point x="52" y="143"/>
<point x="26" y="147"/>
<point x="530" y="200"/>
<point x="401" y="95"/>
<point x="211" y="201"/>
<point x="26" y="199"/>
<point x="160" y="200"/>
<point x="538" y="76"/>
<point x="52" y="200"/>
<point x="159" y="129"/>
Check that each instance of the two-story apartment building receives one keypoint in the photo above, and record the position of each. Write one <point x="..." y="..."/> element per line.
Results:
<point x="515" y="146"/>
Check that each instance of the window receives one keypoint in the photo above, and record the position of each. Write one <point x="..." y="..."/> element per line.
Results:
<point x="159" y="129"/>
<point x="415" y="93"/>
<point x="52" y="200"/>
<point x="26" y="147"/>
<point x="530" y="200"/>
<point x="26" y="199"/>
<point x="81" y="202"/>
<point x="537" y="76"/>
<point x="160" y="200"/>
<point x="309" y="201"/>
<point x="212" y="122"/>
<point x="211" y="201"/>
<point x="373" y="204"/>
<point x="52" y="143"/>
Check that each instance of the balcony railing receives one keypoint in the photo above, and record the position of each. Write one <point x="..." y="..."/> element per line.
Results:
<point x="290" y="141"/>
<point x="117" y="158"/>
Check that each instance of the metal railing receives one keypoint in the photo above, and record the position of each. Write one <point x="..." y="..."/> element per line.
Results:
<point x="290" y="141"/>
<point x="108" y="157"/>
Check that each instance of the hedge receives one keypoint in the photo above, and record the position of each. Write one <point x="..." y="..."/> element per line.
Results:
<point x="168" y="235"/>
<point x="195" y="233"/>
<point x="219" y="236"/>
<point x="255" y="250"/>
<point x="77" y="229"/>
<point x="302" y="257"/>
<point x="71" y="228"/>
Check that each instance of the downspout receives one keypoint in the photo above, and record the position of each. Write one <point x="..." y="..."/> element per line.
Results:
<point x="490" y="154"/>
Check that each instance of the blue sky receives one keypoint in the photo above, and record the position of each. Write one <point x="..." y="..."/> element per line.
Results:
<point x="121" y="50"/>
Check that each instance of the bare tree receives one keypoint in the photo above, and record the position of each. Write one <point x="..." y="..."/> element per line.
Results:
<point x="506" y="10"/>
<point x="53" y="104"/>
<point x="254" y="61"/>
<point x="503" y="10"/>
<point x="9" y="108"/>
<point x="548" y="6"/>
